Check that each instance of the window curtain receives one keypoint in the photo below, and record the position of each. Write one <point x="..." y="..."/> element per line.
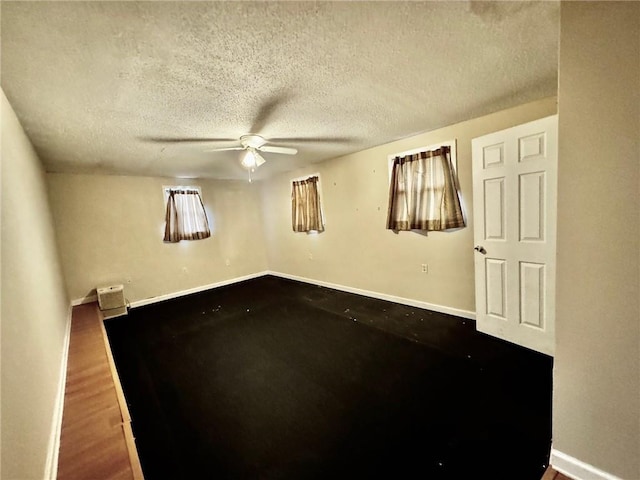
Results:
<point x="424" y="192"/>
<point x="305" y="206"/>
<point x="185" y="216"/>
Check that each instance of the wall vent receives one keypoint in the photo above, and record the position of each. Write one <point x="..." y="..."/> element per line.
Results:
<point x="111" y="301"/>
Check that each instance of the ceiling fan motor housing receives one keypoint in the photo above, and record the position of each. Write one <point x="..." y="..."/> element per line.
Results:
<point x="252" y="141"/>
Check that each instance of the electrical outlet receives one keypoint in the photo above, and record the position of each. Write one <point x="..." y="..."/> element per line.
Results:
<point x="425" y="268"/>
<point x="310" y="256"/>
<point x="227" y="262"/>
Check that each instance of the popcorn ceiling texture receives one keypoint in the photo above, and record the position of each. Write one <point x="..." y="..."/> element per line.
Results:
<point x="98" y="85"/>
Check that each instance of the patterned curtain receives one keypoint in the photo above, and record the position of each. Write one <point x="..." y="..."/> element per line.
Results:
<point x="424" y="192"/>
<point x="306" y="211"/>
<point x="185" y="217"/>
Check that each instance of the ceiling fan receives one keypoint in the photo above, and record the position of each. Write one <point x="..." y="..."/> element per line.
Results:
<point x="252" y="145"/>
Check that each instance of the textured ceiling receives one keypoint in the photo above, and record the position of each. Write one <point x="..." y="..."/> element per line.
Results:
<point x="104" y="86"/>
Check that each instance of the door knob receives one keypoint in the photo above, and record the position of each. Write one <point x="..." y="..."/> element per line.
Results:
<point x="480" y="249"/>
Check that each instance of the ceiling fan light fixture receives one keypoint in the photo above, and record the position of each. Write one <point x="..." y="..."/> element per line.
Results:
<point x="251" y="159"/>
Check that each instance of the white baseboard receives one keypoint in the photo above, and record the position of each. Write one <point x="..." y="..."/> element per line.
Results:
<point x="168" y="296"/>
<point x="574" y="468"/>
<point x="51" y="465"/>
<point x="382" y="296"/>
<point x="80" y="301"/>
<point x="160" y="298"/>
<point x="367" y="293"/>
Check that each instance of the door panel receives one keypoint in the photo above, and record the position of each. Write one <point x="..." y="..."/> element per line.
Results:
<point x="514" y="197"/>
<point x="496" y="284"/>
<point x="532" y="206"/>
<point x="532" y="294"/>
<point x="494" y="217"/>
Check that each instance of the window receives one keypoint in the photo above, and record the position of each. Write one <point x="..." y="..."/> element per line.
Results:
<point x="424" y="192"/>
<point x="306" y="210"/>
<point x="185" y="216"/>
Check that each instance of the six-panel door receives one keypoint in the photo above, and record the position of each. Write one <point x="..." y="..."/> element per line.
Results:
<point x="514" y="205"/>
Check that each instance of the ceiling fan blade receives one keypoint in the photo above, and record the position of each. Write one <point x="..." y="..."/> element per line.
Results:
<point x="185" y="139"/>
<point x="223" y="149"/>
<point x="313" y="139"/>
<point x="282" y="150"/>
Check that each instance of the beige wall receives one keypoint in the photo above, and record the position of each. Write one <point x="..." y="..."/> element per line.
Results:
<point x="596" y="410"/>
<point x="34" y="308"/>
<point x="356" y="250"/>
<point x="110" y="228"/>
<point x="110" y="231"/>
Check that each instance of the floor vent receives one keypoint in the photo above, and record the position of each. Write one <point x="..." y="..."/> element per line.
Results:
<point x="111" y="301"/>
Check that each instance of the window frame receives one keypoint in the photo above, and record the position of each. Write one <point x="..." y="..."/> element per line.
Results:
<point x="165" y="193"/>
<point x="449" y="143"/>
<point x="167" y="188"/>
<point x="320" y="199"/>
<point x="452" y="144"/>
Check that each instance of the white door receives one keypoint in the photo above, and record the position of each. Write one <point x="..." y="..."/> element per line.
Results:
<point x="514" y="210"/>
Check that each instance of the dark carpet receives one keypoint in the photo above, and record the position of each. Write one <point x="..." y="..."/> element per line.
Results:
<point x="276" y="379"/>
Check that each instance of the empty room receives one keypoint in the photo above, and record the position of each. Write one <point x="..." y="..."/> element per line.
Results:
<point x="309" y="240"/>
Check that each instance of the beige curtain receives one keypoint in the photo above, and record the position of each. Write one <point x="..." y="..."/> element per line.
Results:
<point x="424" y="193"/>
<point x="185" y="217"/>
<point x="306" y="211"/>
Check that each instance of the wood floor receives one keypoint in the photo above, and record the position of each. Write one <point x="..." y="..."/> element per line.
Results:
<point x="97" y="441"/>
<point x="551" y="474"/>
